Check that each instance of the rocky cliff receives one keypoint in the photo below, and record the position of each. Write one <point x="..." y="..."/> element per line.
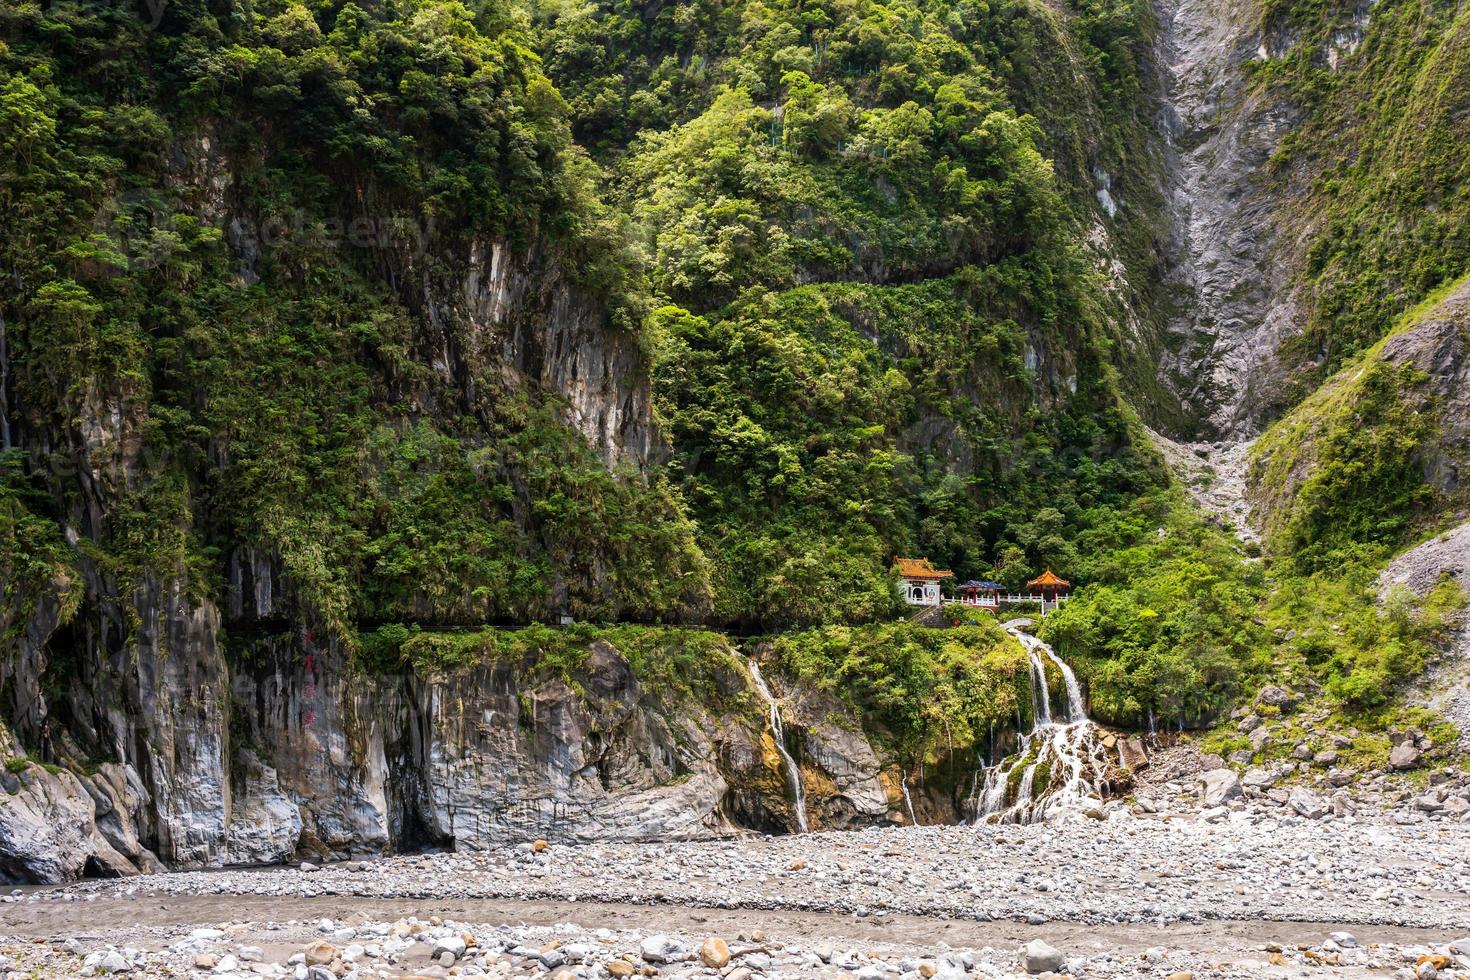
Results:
<point x="1293" y="191"/>
<point x="318" y="322"/>
<point x="1379" y="450"/>
<point x="287" y="751"/>
<point x="1227" y="292"/>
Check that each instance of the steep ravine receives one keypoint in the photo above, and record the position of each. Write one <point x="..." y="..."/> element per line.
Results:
<point x="1229" y="299"/>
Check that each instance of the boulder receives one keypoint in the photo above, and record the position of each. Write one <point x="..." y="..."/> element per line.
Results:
<point x="1038" y="956"/>
<point x="1218" y="786"/>
<point x="1307" y="804"/>
<point x="1275" y="696"/>
<point x="714" y="953"/>
<point x="453" y="945"/>
<point x="1132" y="754"/>
<point x="1405" y="755"/>
<point x="319" y="953"/>
<point x="1258" y="778"/>
<point x="659" y="948"/>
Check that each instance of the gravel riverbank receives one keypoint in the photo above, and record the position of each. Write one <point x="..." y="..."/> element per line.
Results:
<point x="1123" y="896"/>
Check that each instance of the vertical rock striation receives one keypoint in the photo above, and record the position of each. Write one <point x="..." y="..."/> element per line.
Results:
<point x="1229" y="296"/>
<point x="283" y="752"/>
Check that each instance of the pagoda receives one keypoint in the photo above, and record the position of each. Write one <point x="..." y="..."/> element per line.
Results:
<point x="920" y="580"/>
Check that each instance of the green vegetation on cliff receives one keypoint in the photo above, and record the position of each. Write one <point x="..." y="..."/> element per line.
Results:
<point x="1359" y="443"/>
<point x="1367" y="461"/>
<point x="666" y="659"/>
<point x="35" y="563"/>
<point x="883" y="332"/>
<point x="1382" y="147"/>
<point x="441" y="314"/>
<point x="235" y="243"/>
<point x="1163" y="630"/>
<point x="927" y="695"/>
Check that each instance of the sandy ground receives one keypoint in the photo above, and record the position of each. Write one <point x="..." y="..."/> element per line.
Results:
<point x="103" y="918"/>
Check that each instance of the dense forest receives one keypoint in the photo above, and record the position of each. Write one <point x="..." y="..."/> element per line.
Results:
<point x="241" y="240"/>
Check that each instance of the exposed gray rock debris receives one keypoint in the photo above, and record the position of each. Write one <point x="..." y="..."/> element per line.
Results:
<point x="1231" y="302"/>
<point x="1445" y="685"/>
<point x="1161" y="897"/>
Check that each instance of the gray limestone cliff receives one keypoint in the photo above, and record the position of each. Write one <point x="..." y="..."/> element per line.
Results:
<point x="287" y="752"/>
<point x="1229" y="281"/>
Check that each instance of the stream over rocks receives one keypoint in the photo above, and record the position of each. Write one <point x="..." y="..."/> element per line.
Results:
<point x="778" y="735"/>
<point x="1058" y="768"/>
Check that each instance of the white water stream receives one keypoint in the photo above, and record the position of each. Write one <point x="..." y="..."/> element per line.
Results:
<point x="908" y="801"/>
<point x="1064" y="750"/>
<point x="778" y="734"/>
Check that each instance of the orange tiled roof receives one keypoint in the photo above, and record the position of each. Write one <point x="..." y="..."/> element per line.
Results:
<point x="919" y="568"/>
<point x="1046" y="579"/>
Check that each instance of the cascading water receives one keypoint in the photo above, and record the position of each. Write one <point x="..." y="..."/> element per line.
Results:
<point x="1064" y="750"/>
<point x="778" y="734"/>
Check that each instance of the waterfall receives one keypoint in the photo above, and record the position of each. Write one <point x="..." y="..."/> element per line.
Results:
<point x="1040" y="694"/>
<point x="908" y="801"/>
<point x="1076" y="710"/>
<point x="778" y="734"/>
<point x="1065" y="745"/>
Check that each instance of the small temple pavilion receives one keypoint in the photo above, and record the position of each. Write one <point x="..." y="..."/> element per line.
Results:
<point x="920" y="580"/>
<point x="987" y="594"/>
<point x="1051" y="587"/>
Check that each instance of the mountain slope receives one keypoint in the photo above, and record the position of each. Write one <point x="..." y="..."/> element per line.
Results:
<point x="334" y="337"/>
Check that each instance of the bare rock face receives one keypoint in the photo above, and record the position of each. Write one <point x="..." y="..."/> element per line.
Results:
<point x="849" y="790"/>
<point x="1231" y="302"/>
<point x="265" y="824"/>
<point x="1445" y="686"/>
<point x="120" y="802"/>
<point x="321" y="736"/>
<point x="1421" y="568"/>
<point x="522" y="313"/>
<point x="330" y="763"/>
<point x="502" y="763"/>
<point x="162" y="708"/>
<point x="48" y="830"/>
